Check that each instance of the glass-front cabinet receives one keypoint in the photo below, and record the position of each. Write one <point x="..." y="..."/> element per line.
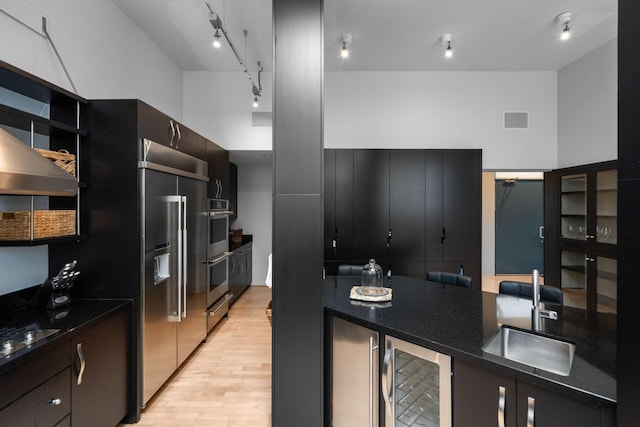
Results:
<point x="589" y="281"/>
<point x="588" y="206"/>
<point x="573" y="204"/>
<point x="607" y="206"/>
<point x="581" y="227"/>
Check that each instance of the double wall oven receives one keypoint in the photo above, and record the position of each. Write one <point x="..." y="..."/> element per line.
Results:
<point x="218" y="294"/>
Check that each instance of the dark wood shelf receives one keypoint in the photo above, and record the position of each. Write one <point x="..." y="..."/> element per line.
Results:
<point x="576" y="268"/>
<point x="607" y="275"/>
<point x="22" y="120"/>
<point x="38" y="242"/>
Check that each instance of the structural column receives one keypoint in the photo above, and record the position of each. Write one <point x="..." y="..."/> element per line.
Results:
<point x="628" y="212"/>
<point x="297" y="392"/>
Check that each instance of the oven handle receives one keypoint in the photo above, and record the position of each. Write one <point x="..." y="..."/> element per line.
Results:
<point x="220" y="213"/>
<point x="220" y="258"/>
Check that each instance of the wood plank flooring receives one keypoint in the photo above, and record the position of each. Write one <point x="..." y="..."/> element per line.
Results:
<point x="227" y="381"/>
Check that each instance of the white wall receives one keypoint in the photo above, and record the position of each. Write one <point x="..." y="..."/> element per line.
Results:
<point x="588" y="108"/>
<point x="396" y="110"/>
<point x="445" y="110"/>
<point x="106" y="55"/>
<point x="255" y="200"/>
<point x="218" y="106"/>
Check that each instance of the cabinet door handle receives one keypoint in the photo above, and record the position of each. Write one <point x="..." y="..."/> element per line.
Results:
<point x="501" y="403"/>
<point x="55" y="402"/>
<point x="531" y="402"/>
<point x="179" y="135"/>
<point x="172" y="133"/>
<point x="541" y="232"/>
<point x="83" y="363"/>
<point x="444" y="235"/>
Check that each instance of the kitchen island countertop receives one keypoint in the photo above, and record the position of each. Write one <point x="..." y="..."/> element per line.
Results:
<point x="458" y="322"/>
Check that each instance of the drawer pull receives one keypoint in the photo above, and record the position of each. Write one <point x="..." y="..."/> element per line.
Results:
<point x="55" y="402"/>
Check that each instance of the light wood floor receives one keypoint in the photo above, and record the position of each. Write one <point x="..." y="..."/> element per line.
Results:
<point x="227" y="381"/>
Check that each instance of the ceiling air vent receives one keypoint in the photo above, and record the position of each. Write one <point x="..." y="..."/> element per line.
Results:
<point x="516" y="120"/>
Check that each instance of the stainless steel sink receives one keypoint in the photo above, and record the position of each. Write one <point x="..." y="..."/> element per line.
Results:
<point x="538" y="351"/>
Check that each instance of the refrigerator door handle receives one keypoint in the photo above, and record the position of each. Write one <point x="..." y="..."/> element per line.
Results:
<point x="183" y="202"/>
<point x="180" y="236"/>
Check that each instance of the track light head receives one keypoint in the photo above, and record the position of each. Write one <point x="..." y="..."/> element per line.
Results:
<point x="563" y="21"/>
<point x="216" y="39"/>
<point x="445" y="40"/>
<point x="346" y="42"/>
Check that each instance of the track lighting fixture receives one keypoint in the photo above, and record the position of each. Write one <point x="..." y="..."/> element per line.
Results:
<point x="346" y="42"/>
<point x="448" y="52"/>
<point x="563" y="20"/>
<point x="216" y="39"/>
<point x="445" y="40"/>
<point x="216" y="23"/>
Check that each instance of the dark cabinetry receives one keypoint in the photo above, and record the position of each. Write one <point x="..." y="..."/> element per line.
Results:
<point x="482" y="396"/>
<point x="581" y="232"/>
<point x="240" y="270"/>
<point x="160" y="128"/>
<point x="411" y="210"/>
<point x="233" y="191"/>
<point x="218" y="160"/>
<point x="82" y="381"/>
<point x="99" y="380"/>
<point x="338" y="205"/>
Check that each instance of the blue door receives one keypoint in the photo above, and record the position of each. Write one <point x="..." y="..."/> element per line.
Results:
<point x="519" y="218"/>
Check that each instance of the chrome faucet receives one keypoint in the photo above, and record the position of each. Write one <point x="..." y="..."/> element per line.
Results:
<point x="536" y="313"/>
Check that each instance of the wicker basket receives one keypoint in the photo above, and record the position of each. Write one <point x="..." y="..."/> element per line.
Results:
<point x="62" y="158"/>
<point x="46" y="224"/>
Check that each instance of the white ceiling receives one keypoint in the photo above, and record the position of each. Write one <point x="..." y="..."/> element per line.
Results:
<point x="399" y="35"/>
<point x="392" y="35"/>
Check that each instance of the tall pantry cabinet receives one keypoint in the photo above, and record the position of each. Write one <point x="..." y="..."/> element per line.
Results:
<point x="413" y="211"/>
<point x="581" y="233"/>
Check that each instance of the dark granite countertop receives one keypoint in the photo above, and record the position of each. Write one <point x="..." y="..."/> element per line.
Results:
<point x="458" y="321"/>
<point x="69" y="321"/>
<point x="246" y="239"/>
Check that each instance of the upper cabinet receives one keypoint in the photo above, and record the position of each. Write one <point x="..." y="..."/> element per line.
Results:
<point x="160" y="128"/>
<point x="588" y="206"/>
<point x="410" y="210"/>
<point x="218" y="160"/>
<point x="41" y="134"/>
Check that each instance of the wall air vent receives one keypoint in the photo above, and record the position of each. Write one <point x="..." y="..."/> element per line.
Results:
<point x="516" y="120"/>
<point x="261" y="119"/>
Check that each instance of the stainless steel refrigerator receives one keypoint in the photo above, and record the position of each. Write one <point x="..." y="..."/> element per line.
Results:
<point x="173" y="303"/>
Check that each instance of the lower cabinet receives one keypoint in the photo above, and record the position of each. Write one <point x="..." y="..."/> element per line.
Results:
<point x="240" y="271"/>
<point x="87" y="389"/>
<point x="46" y="405"/>
<point x="99" y="377"/>
<point x="412" y="387"/>
<point x="483" y="397"/>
